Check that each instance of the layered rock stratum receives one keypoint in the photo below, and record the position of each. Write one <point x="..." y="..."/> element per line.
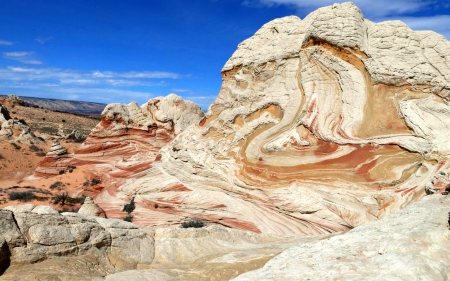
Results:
<point x="124" y="146"/>
<point x="321" y="125"/>
<point x="325" y="126"/>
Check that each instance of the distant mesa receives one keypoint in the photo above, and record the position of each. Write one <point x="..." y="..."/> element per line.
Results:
<point x="80" y="107"/>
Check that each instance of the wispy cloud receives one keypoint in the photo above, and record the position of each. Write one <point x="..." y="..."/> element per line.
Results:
<point x="4" y="42"/>
<point x="23" y="57"/>
<point x="43" y="40"/>
<point x="136" y="74"/>
<point x="75" y="77"/>
<point x="181" y="90"/>
<point x="204" y="101"/>
<point x="102" y="86"/>
<point x="99" y="94"/>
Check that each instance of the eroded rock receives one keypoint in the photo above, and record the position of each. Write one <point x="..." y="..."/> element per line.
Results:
<point x="90" y="208"/>
<point x="410" y="244"/>
<point x="37" y="237"/>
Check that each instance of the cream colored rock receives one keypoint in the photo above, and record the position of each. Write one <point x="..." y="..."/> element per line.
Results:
<point x="411" y="244"/>
<point x="44" y="210"/>
<point x="90" y="208"/>
<point x="39" y="238"/>
<point x="321" y="125"/>
<point x="12" y="130"/>
<point x="171" y="113"/>
<point x="209" y="253"/>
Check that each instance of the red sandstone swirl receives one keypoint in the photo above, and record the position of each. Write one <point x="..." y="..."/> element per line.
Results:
<point x="321" y="124"/>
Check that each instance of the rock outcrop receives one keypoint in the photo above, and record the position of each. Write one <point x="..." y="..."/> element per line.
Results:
<point x="13" y="130"/>
<point x="57" y="159"/>
<point x="12" y="100"/>
<point x="124" y="145"/>
<point x="411" y="244"/>
<point x="321" y="125"/>
<point x="43" y="244"/>
<point x="90" y="208"/>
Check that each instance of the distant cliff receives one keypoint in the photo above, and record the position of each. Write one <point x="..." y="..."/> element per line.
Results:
<point x="65" y="105"/>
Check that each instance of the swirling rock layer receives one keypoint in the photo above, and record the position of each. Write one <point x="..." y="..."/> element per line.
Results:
<point x="125" y="144"/>
<point x="321" y="124"/>
<point x="411" y="244"/>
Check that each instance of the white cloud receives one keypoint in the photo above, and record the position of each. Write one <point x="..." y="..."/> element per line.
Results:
<point x="75" y="77"/>
<point x="43" y="40"/>
<point x="181" y="90"/>
<point x="104" y="95"/>
<point x="85" y="85"/>
<point x="370" y="8"/>
<point x="203" y="101"/>
<point x="136" y="74"/>
<point x="4" y="42"/>
<point x="23" y="57"/>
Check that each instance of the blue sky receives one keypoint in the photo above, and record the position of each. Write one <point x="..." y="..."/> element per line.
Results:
<point x="122" y="51"/>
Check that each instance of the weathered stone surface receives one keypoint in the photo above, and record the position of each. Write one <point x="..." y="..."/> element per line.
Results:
<point x="125" y="144"/>
<point x="9" y="229"/>
<point x="410" y="244"/>
<point x="56" y="159"/>
<point x="90" y="208"/>
<point x="12" y="130"/>
<point x="41" y="210"/>
<point x="321" y="125"/>
<point x="209" y="253"/>
<point x="36" y="237"/>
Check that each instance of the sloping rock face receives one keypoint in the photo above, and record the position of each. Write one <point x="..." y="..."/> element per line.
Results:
<point x="210" y="253"/>
<point x="43" y="244"/>
<point x="124" y="145"/>
<point x="321" y="124"/>
<point x="411" y="244"/>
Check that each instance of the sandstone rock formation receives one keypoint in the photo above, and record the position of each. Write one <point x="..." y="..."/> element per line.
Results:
<point x="10" y="100"/>
<point x="43" y="244"/>
<point x="210" y="253"/>
<point x="56" y="160"/>
<point x="321" y="125"/>
<point x="90" y="208"/>
<point x="123" y="146"/>
<point x="13" y="130"/>
<point x="411" y="244"/>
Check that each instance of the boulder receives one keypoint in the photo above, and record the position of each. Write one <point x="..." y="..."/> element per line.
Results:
<point x="37" y="237"/>
<point x="90" y="208"/>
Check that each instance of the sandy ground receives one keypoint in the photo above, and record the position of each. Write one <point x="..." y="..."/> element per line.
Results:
<point x="16" y="175"/>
